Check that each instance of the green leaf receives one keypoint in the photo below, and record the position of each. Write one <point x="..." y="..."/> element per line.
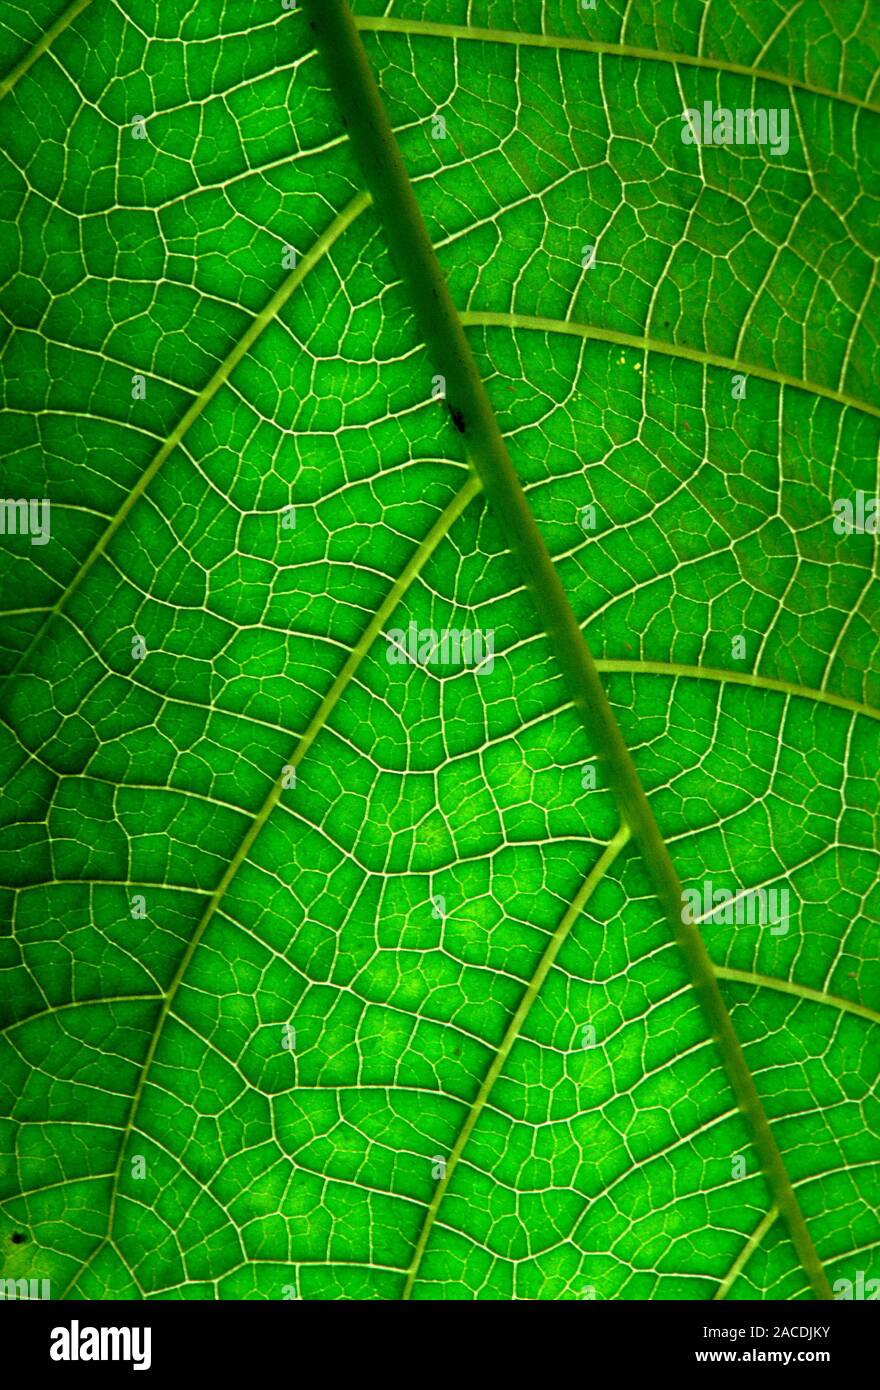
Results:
<point x="335" y="966"/>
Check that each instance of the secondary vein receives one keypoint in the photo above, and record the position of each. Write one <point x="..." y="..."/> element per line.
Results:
<point x="677" y="669"/>
<point x="412" y="568"/>
<point x="815" y="996"/>
<point x="387" y="24"/>
<point x="244" y="344"/>
<point x="745" y="1255"/>
<point x="514" y="1028"/>
<point x="570" y="328"/>
<point x="44" y="42"/>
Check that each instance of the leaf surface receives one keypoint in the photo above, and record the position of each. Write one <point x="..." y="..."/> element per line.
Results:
<point x="405" y="1013"/>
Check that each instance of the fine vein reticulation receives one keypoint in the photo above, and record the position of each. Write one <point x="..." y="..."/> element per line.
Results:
<point x="440" y="464"/>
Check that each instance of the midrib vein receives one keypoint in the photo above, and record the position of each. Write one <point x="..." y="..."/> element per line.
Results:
<point x="514" y="1028"/>
<point x="568" y="327"/>
<point x="386" y="24"/>
<point x="375" y="146"/>
<point x="244" y="344"/>
<point x="412" y="568"/>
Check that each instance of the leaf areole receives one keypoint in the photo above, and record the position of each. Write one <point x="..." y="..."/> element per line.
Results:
<point x="376" y="149"/>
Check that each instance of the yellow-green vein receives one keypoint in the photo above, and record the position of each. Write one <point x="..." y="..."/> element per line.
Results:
<point x="412" y="568"/>
<point x="44" y="42"/>
<point x="675" y="669"/>
<point x="745" y="1254"/>
<point x="514" y="1028"/>
<point x="244" y="344"/>
<point x="815" y="996"/>
<point x="55" y="1009"/>
<point x="567" y="327"/>
<point x="386" y="24"/>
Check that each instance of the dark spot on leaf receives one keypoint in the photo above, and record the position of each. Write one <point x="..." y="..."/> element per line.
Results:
<point x="457" y="419"/>
<point x="17" y="1238"/>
